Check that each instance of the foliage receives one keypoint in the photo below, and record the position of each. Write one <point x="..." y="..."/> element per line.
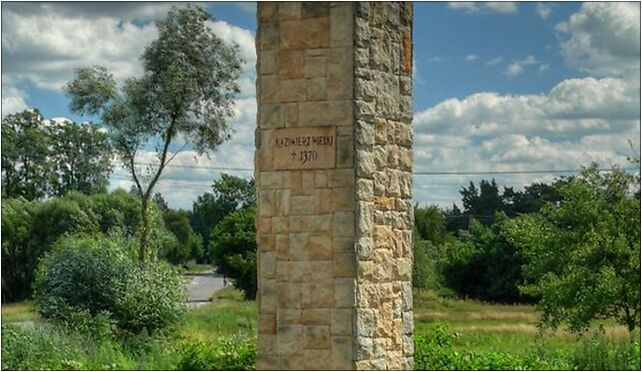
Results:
<point x="187" y="89"/>
<point x="237" y="353"/>
<point x="583" y="253"/>
<point x="30" y="229"/>
<point x="483" y="265"/>
<point x="600" y="354"/>
<point x="44" y="158"/>
<point x="426" y="270"/>
<point x="100" y="275"/>
<point x="25" y="165"/>
<point x="229" y="193"/>
<point x="233" y="249"/>
<point x="430" y="224"/>
<point x="188" y="244"/>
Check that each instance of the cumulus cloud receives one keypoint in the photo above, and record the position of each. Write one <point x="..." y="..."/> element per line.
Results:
<point x="477" y="7"/>
<point x="494" y="61"/>
<point x="543" y="10"/>
<point x="13" y="100"/>
<point x="576" y="122"/>
<point x="603" y="38"/>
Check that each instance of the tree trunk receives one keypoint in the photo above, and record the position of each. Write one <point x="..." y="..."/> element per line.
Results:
<point x="144" y="233"/>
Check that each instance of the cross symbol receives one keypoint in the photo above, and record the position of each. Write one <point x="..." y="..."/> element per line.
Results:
<point x="293" y="154"/>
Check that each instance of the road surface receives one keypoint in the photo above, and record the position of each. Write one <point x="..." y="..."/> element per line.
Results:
<point x="202" y="286"/>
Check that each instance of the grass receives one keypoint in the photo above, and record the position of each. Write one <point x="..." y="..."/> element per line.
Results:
<point x="485" y="327"/>
<point x="19" y="312"/>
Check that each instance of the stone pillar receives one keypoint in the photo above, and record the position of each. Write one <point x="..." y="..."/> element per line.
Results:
<point x="333" y="166"/>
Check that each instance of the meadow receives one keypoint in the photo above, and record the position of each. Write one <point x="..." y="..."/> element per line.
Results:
<point x="449" y="334"/>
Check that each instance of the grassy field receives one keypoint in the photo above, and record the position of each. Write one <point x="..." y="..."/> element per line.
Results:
<point x="497" y="336"/>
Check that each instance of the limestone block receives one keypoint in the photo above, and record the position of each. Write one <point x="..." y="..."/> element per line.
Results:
<point x="271" y="180"/>
<point x="316" y="316"/>
<point x="267" y="242"/>
<point x="339" y="73"/>
<point x="343" y="199"/>
<point x="341" y="322"/>
<point x="316" y="359"/>
<point x="268" y="296"/>
<point x="324" y="200"/>
<point x="266" y="342"/>
<point x="280" y="225"/>
<point x="305" y="34"/>
<point x="315" y="223"/>
<point x="302" y="205"/>
<point x="288" y="339"/>
<point x="267" y="362"/>
<point x="289" y="295"/>
<point x="343" y="224"/>
<point x="269" y="88"/>
<point x="320" y="247"/>
<point x="344" y="265"/>
<point x="267" y="323"/>
<point x="341" y="26"/>
<point x="282" y="247"/>
<point x="289" y="10"/>
<point x="321" y="179"/>
<point x="316" y="89"/>
<point x="293" y="362"/>
<point x="269" y="36"/>
<point x="268" y="62"/>
<point x="291" y="114"/>
<point x="342" y="178"/>
<point x="324" y="113"/>
<point x="316" y="337"/>
<point x="263" y="225"/>
<point x="291" y="64"/>
<point x="315" y="9"/>
<point x="293" y="90"/>
<point x="271" y="116"/>
<point x="343" y="292"/>
<point x="320" y="271"/>
<point x="282" y="201"/>
<point x="317" y="295"/>
<point x="288" y="316"/>
<point x="297" y="246"/>
<point x="307" y="180"/>
<point x="345" y="152"/>
<point x="341" y="353"/>
<point x="314" y="65"/>
<point x="343" y="244"/>
<point x="267" y="265"/>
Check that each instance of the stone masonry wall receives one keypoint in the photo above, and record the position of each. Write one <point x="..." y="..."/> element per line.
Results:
<point x="383" y="134"/>
<point x="334" y="256"/>
<point x="305" y="219"/>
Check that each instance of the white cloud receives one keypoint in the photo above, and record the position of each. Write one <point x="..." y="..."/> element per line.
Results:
<point x="576" y="122"/>
<point x="434" y="60"/>
<point x="494" y="61"/>
<point x="603" y="38"/>
<point x="517" y="67"/>
<point x="491" y="6"/>
<point x="471" y="58"/>
<point x="543" y="10"/>
<point x="13" y="100"/>
<point x="247" y="6"/>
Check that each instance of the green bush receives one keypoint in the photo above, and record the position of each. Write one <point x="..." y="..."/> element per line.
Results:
<point x="100" y="275"/>
<point x="151" y="299"/>
<point x="233" y="249"/>
<point x="229" y="354"/>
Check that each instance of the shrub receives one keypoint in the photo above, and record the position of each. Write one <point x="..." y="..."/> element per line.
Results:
<point x="81" y="272"/>
<point x="100" y="275"/>
<point x="237" y="353"/>
<point x="600" y="354"/>
<point x="151" y="299"/>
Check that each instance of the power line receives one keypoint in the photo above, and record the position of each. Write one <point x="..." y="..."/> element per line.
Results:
<point x="418" y="173"/>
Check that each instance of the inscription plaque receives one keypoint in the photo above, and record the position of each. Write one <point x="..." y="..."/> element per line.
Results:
<point x="304" y="148"/>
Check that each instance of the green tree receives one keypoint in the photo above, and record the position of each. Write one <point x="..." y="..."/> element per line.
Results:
<point x="583" y="253"/>
<point x="82" y="157"/>
<point x="26" y="167"/>
<point x="187" y="89"/>
<point x="188" y="244"/>
<point x="232" y="249"/>
<point x="229" y="193"/>
<point x="430" y="224"/>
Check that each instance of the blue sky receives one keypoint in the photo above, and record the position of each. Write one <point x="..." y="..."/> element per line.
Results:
<point x="497" y="87"/>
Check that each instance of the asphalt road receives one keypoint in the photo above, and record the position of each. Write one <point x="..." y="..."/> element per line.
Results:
<point x="202" y="286"/>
